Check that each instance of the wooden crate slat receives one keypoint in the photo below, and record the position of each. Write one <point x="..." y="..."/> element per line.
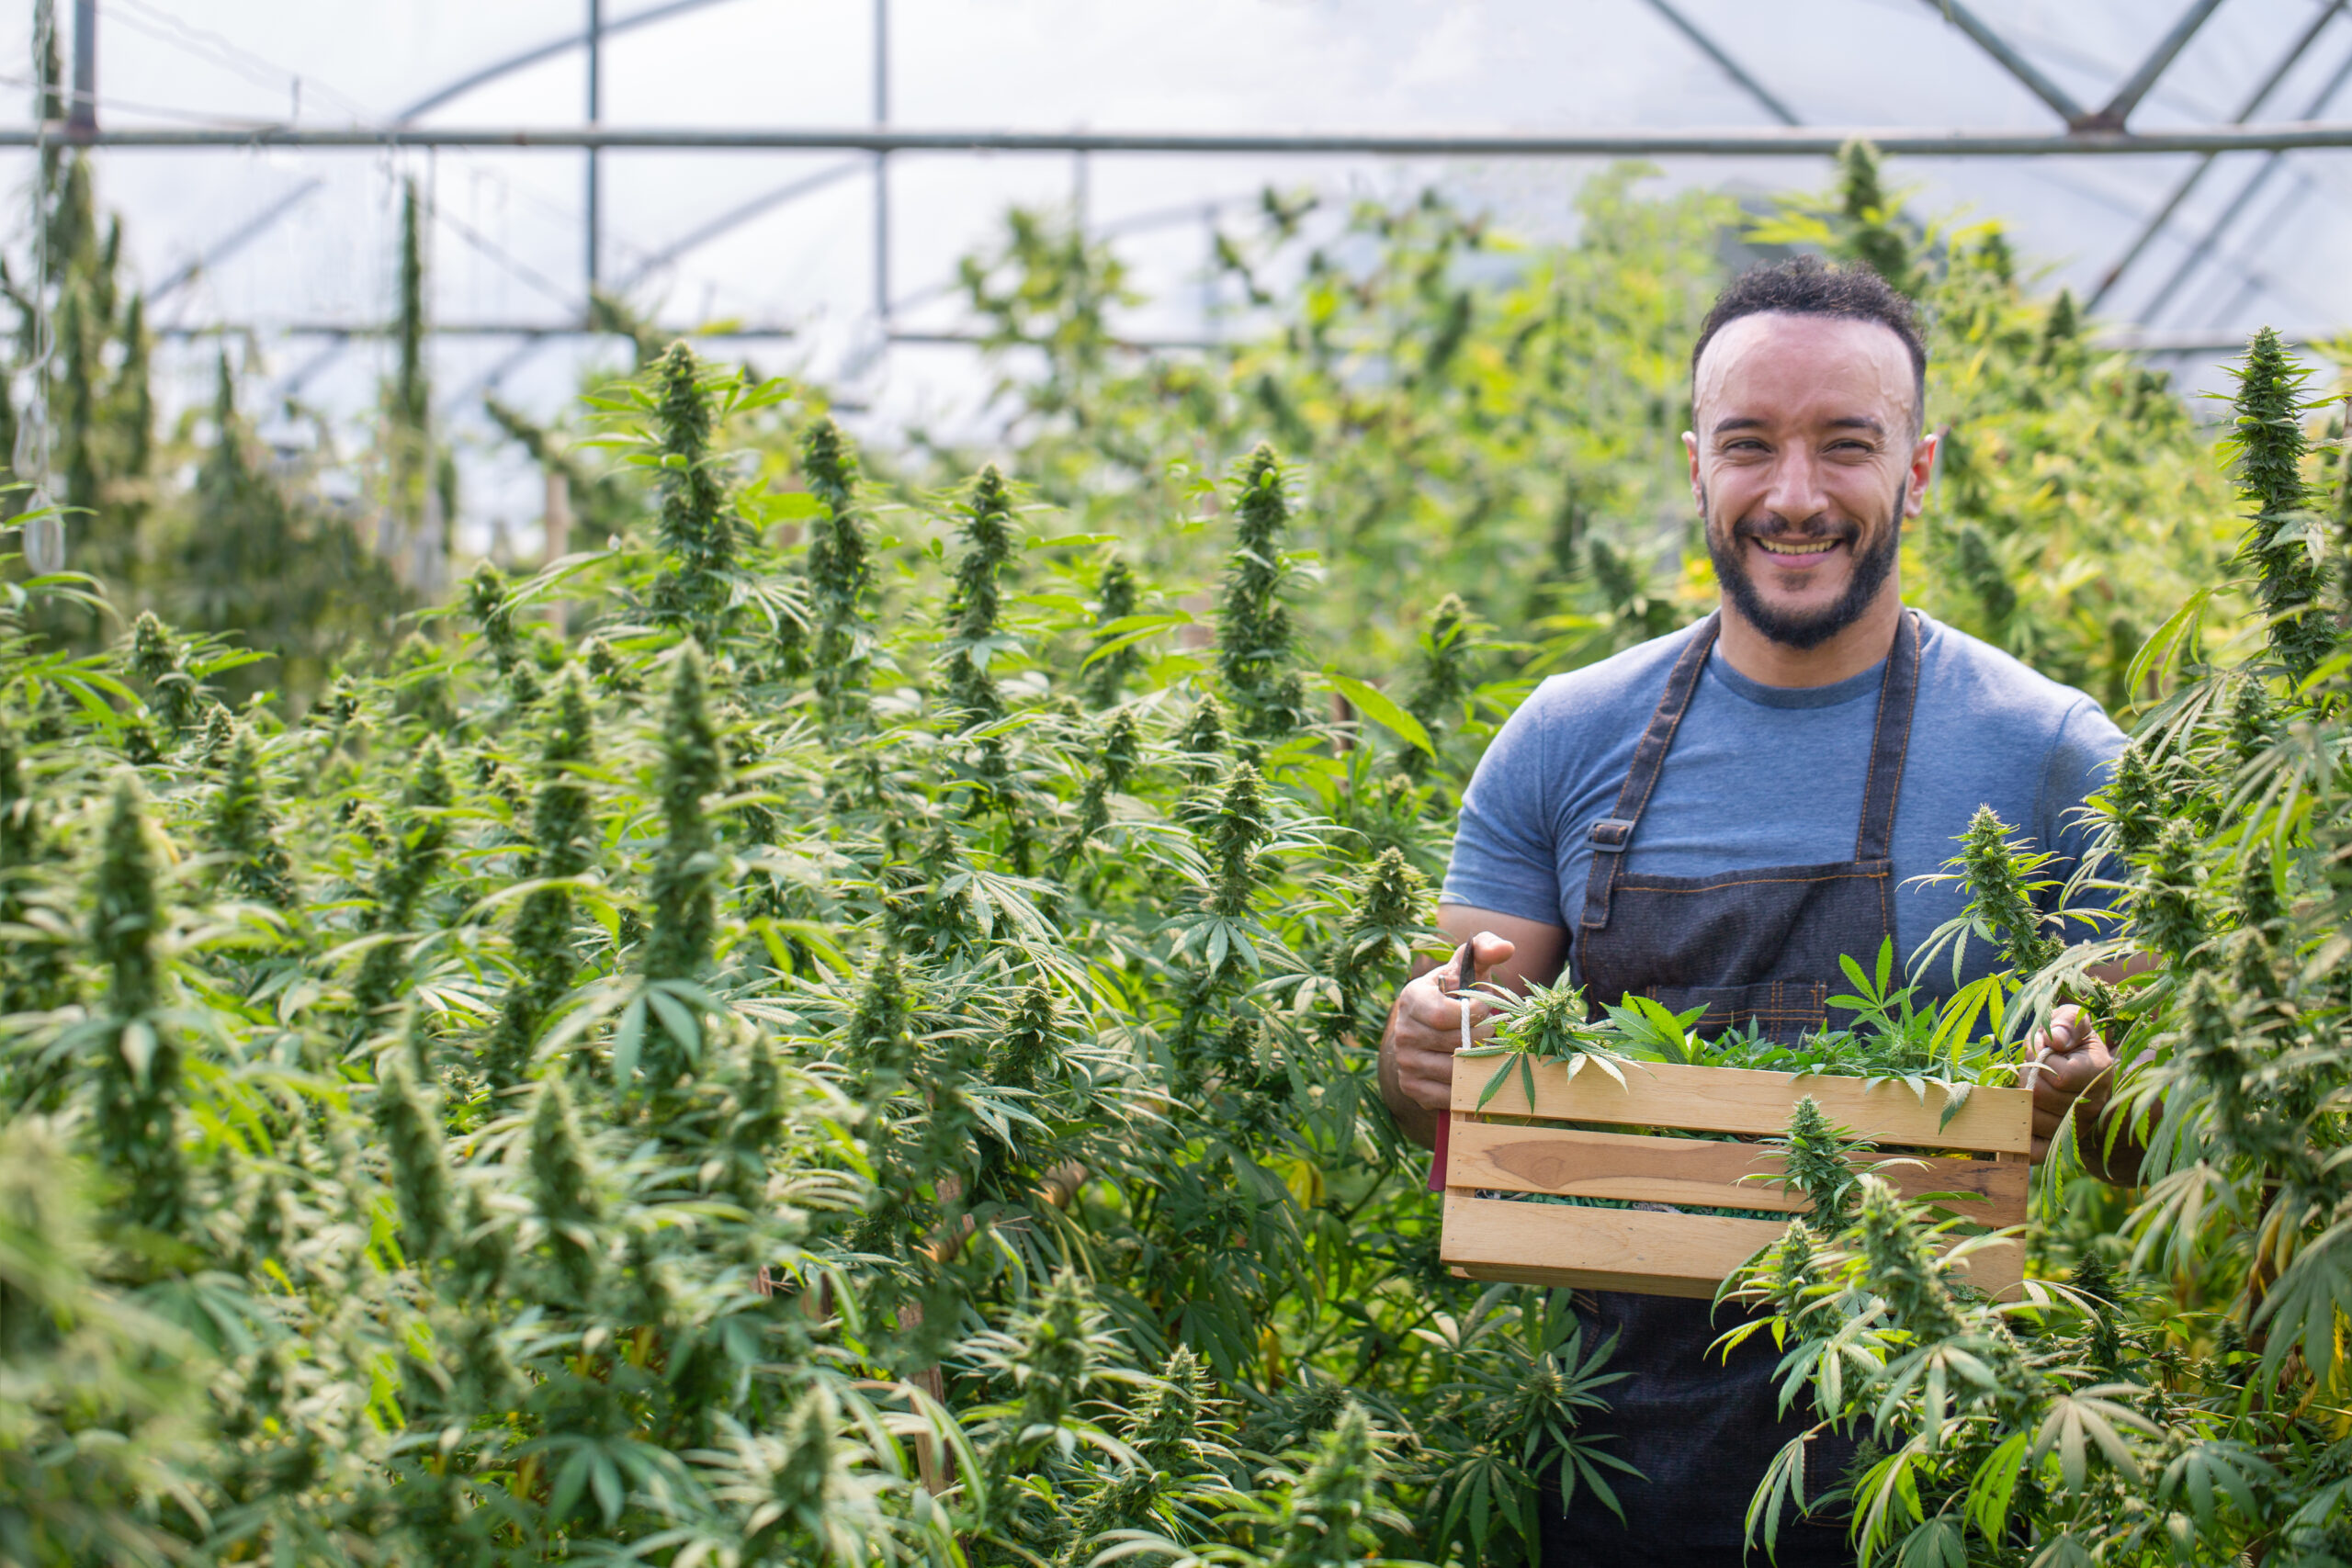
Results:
<point x="1518" y="1158"/>
<point x="1607" y="1249"/>
<point x="1741" y="1099"/>
<point x="1633" y="1249"/>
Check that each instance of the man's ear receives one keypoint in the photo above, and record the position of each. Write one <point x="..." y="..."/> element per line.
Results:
<point x="1920" y="472"/>
<point x="1698" y="486"/>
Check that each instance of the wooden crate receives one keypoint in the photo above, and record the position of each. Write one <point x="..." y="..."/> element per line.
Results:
<point x="1507" y="1147"/>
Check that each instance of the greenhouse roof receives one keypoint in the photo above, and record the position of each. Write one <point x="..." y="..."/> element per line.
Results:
<point x="1192" y="112"/>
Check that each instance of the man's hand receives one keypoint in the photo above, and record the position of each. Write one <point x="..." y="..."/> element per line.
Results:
<point x="2073" y="1071"/>
<point x="1425" y="1029"/>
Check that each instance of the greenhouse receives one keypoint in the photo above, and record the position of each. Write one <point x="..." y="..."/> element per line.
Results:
<point x="1047" y="784"/>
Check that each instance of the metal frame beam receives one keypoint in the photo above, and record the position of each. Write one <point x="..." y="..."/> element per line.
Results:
<point x="456" y="329"/>
<point x="592" y="217"/>
<point x="1730" y="67"/>
<point x="2198" y="341"/>
<point x="82" y="118"/>
<point x="882" y="162"/>
<point x="2189" y="182"/>
<point x="2029" y="74"/>
<point x="2135" y="87"/>
<point x="538" y="331"/>
<point x="2120" y="339"/>
<point x="1750" y="141"/>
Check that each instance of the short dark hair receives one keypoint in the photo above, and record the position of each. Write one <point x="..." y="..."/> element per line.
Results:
<point x="1807" y="286"/>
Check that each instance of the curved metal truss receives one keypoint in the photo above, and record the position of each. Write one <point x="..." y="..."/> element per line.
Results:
<point x="2079" y="129"/>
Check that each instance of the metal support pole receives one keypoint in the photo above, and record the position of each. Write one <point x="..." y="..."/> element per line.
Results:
<point x="2204" y="246"/>
<point x="2016" y="65"/>
<point x="1746" y="141"/>
<point x="1730" y="67"/>
<point x="2127" y="98"/>
<point x="595" y="221"/>
<point x="882" y="164"/>
<point x="82" y="115"/>
<point x="2180" y="192"/>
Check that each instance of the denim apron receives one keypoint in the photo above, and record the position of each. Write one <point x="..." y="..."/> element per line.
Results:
<point x="1759" y="946"/>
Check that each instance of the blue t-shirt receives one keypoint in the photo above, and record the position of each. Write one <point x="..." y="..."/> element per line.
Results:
<point x="1773" y="775"/>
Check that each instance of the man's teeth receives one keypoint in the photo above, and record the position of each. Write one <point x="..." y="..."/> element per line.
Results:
<point x="1796" y="547"/>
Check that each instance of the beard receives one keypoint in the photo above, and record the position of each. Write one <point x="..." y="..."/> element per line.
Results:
<point x="1803" y="629"/>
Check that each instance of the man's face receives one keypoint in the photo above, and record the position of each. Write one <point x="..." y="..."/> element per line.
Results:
<point x="1805" y="464"/>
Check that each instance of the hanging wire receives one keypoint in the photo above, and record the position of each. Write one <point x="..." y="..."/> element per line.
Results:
<point x="213" y="49"/>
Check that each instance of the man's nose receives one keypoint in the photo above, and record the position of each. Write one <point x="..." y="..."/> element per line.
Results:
<point x="1795" y="491"/>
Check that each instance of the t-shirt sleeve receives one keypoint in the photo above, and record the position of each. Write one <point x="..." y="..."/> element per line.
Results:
<point x="2081" y="756"/>
<point x="1504" y="857"/>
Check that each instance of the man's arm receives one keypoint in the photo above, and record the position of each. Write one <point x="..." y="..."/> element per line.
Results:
<point x="1425" y="1024"/>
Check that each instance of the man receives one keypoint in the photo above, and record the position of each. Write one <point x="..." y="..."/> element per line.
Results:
<point x="1714" y="816"/>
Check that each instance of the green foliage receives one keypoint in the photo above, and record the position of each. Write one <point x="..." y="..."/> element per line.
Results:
<point x="1874" y="233"/>
<point x="560" y="1119"/>
<point x="975" y="603"/>
<point x="2268" y="448"/>
<point x="408" y="411"/>
<point x="1478" y="413"/>
<point x="693" y="525"/>
<point x="1816" y="1157"/>
<point x="562" y="847"/>
<point x="682" y="899"/>
<point x="137" y="1075"/>
<point x="1114" y="657"/>
<point x="1254" y="636"/>
<point x="840" y="570"/>
<point x="1999" y="872"/>
<point x="242" y="827"/>
<point x="100" y="1405"/>
<point x="253" y="555"/>
<point x="1885" y="1036"/>
<point x="419" y="848"/>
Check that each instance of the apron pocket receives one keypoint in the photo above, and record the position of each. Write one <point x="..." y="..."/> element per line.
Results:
<point x="1784" y="1010"/>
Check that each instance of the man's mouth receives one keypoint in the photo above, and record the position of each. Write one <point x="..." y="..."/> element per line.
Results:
<point x="1796" y="552"/>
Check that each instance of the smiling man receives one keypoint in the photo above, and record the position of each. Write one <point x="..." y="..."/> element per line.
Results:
<point x="1713" y="819"/>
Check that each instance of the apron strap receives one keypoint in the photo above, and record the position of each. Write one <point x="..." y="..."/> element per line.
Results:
<point x="1890" y="743"/>
<point x="1612" y="833"/>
